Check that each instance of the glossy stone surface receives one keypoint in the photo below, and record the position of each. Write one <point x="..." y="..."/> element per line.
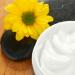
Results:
<point x="16" y="50"/>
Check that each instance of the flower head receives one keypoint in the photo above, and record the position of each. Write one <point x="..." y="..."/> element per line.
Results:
<point x="27" y="18"/>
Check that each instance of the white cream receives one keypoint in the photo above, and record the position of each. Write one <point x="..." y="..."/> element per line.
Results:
<point x="57" y="57"/>
<point x="54" y="52"/>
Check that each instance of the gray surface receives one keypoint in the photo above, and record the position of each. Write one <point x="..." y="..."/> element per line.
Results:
<point x="62" y="10"/>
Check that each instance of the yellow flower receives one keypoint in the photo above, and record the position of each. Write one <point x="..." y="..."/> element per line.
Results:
<point x="27" y="18"/>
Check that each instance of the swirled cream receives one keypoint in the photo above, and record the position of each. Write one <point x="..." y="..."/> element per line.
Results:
<point x="58" y="55"/>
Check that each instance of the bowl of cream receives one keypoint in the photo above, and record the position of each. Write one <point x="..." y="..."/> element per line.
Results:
<point x="54" y="51"/>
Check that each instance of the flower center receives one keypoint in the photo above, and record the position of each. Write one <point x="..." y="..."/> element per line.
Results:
<point x="28" y="18"/>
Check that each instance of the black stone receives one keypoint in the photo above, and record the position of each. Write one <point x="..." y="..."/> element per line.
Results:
<point x="16" y="50"/>
<point x="62" y="10"/>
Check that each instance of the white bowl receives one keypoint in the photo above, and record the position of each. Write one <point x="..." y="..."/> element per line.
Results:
<point x="68" y="26"/>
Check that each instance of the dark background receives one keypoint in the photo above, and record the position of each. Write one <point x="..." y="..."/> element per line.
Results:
<point x="62" y="10"/>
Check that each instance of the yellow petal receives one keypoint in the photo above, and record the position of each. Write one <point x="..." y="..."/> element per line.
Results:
<point x="23" y="2"/>
<point x="25" y="5"/>
<point x="42" y="9"/>
<point x="33" y="0"/>
<point x="12" y="8"/>
<point x="19" y="35"/>
<point x="50" y="18"/>
<point x="32" y="32"/>
<point x="10" y="18"/>
<point x="23" y="28"/>
<point x="44" y="19"/>
<point x="16" y="27"/>
<point x="38" y="8"/>
<point x="45" y="9"/>
<point x="38" y="28"/>
<point x="7" y="27"/>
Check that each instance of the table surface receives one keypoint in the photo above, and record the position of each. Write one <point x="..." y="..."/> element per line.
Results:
<point x="8" y="67"/>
